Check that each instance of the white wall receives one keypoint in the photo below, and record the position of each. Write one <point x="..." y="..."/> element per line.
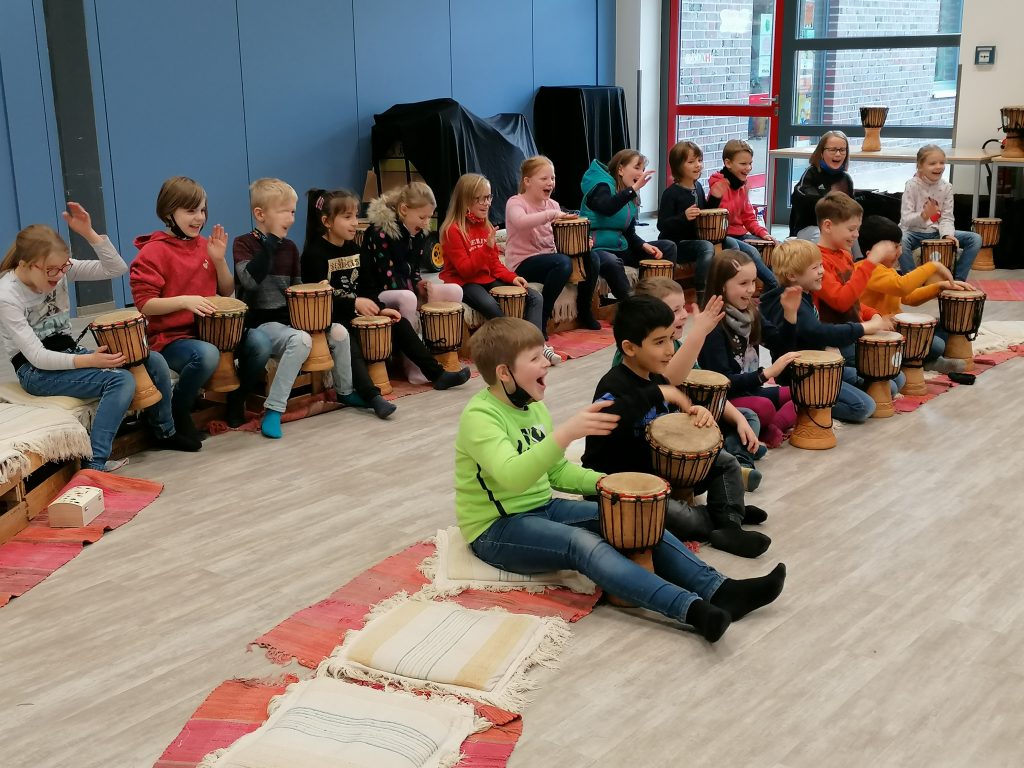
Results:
<point x="638" y="47"/>
<point x="984" y="89"/>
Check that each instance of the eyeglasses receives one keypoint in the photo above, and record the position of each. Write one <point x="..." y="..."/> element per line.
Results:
<point x="55" y="271"/>
<point x="835" y="150"/>
<point x="481" y="199"/>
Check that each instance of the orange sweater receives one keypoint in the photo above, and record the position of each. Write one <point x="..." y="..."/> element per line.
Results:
<point x="842" y="286"/>
<point x="887" y="289"/>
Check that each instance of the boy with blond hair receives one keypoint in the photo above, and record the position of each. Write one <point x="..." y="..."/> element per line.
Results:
<point x="267" y="263"/>
<point x="509" y="456"/>
<point x="798" y="265"/>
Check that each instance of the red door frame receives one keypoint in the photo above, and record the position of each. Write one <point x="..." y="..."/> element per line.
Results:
<point x="767" y="108"/>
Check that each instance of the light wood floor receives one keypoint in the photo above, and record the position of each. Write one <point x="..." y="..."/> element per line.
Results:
<point x="899" y="640"/>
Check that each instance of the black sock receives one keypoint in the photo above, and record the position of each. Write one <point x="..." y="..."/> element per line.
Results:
<point x="235" y="411"/>
<point x="450" y="379"/>
<point x="709" y="620"/>
<point x="179" y="441"/>
<point x="382" y="408"/>
<point x="753" y="515"/>
<point x="738" y="597"/>
<point x="737" y="541"/>
<point x="587" y="320"/>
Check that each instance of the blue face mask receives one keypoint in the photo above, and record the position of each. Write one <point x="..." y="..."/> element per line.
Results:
<point x="826" y="169"/>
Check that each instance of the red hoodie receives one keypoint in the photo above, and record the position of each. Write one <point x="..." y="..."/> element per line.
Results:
<point x="469" y="258"/>
<point x="838" y="301"/>
<point x="166" y="267"/>
<point x="742" y="218"/>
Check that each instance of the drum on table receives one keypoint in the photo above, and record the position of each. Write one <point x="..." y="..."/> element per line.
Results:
<point x="309" y="308"/>
<point x="879" y="359"/>
<point x="713" y="226"/>
<point x="765" y="248"/>
<point x="443" y="324"/>
<point x="1013" y="127"/>
<point x="873" y="119"/>
<point x="682" y="452"/>
<point x="375" y="342"/>
<point x="224" y="330"/>
<point x="917" y="331"/>
<point x="988" y="230"/>
<point x="572" y="238"/>
<point x="941" y="250"/>
<point x="960" y="316"/>
<point x="124" y="332"/>
<point x="511" y="300"/>
<point x="815" y="379"/>
<point x="707" y="388"/>
<point x="656" y="268"/>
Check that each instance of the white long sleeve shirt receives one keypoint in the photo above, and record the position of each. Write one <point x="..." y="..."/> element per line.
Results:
<point x="27" y="317"/>
<point x="915" y="195"/>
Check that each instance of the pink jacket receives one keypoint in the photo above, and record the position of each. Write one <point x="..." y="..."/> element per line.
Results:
<point x="529" y="229"/>
<point x="741" y="213"/>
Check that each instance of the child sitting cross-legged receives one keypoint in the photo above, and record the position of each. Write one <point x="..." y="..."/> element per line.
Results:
<point x="641" y="389"/>
<point x="509" y="456"/>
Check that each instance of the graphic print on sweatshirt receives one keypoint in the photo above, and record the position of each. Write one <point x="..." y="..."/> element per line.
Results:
<point x="343" y="274"/>
<point x="531" y="436"/>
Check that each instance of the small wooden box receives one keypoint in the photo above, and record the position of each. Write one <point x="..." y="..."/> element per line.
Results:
<point x="76" y="507"/>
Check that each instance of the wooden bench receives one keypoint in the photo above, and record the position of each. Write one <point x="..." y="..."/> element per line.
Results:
<point x="25" y="495"/>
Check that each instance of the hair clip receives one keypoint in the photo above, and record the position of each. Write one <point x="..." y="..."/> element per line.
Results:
<point x="320" y="203"/>
<point x="735" y="264"/>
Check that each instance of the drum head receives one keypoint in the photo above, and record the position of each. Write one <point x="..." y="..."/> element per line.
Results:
<point x="882" y="337"/>
<point x="117" y="316"/>
<point x="227" y="304"/>
<point x="633" y="484"/>
<point x="707" y="378"/>
<point x="913" y="318"/>
<point x="508" y="290"/>
<point x="370" y="322"/>
<point x="441" y="307"/>
<point x="313" y="288"/>
<point x="818" y="356"/>
<point x="715" y="211"/>
<point x="676" y="432"/>
<point x="575" y="220"/>
<point x="971" y="295"/>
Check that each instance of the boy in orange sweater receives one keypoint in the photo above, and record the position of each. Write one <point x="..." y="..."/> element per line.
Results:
<point x="887" y="289"/>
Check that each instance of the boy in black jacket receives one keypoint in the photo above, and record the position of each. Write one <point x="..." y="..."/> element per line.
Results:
<point x="644" y="334"/>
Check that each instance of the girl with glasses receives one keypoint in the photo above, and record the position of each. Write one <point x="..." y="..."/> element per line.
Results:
<point x="826" y="173"/>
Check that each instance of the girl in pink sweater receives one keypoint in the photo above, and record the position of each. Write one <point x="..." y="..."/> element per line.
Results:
<point x="530" y="248"/>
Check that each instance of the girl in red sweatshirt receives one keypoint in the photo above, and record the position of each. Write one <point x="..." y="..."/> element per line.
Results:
<point x="471" y="257"/>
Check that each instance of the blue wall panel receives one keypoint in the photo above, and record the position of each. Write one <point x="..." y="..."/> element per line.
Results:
<point x="492" y="56"/>
<point x="605" y="42"/>
<point x="300" y="108"/>
<point x="9" y="224"/>
<point x="564" y="42"/>
<point x="172" y="84"/>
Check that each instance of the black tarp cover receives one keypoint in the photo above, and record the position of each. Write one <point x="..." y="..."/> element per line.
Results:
<point x="444" y="140"/>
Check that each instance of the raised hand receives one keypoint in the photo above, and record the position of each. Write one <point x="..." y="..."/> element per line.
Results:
<point x="642" y="181"/>
<point x="720" y="190"/>
<point x="931" y="210"/>
<point x="79" y="220"/>
<point x="707" y="319"/>
<point x="790" y="301"/>
<point x="217" y="244"/>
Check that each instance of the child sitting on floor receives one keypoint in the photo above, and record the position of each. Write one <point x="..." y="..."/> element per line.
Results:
<point x="887" y="289"/>
<point x="640" y="391"/>
<point x="798" y="266"/>
<point x="509" y="456"/>
<point x="267" y="263"/>
<point x="35" y="334"/>
<point x="733" y="347"/>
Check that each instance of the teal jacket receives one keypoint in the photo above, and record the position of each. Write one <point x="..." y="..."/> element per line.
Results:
<point x="609" y="230"/>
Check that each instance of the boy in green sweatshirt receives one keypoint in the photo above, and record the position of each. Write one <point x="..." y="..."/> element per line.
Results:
<point x="508" y="457"/>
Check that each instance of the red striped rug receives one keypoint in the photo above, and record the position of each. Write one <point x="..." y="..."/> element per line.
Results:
<point x="940" y="384"/>
<point x="39" y="550"/>
<point x="1001" y="290"/>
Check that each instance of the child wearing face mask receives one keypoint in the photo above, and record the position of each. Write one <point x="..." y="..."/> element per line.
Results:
<point x="392" y="251"/>
<point x="827" y="172"/>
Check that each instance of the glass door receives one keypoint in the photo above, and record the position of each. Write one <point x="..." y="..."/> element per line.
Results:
<point x="724" y="80"/>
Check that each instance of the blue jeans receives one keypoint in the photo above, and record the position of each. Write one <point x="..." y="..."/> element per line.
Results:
<point x="115" y="388"/>
<point x="479" y="298"/>
<point x="854" y="405"/>
<point x="565" y="534"/>
<point x="701" y="252"/>
<point x="764" y="274"/>
<point x="554" y="270"/>
<point x="195" y="361"/>
<point x="732" y="442"/>
<point x="970" y="244"/>
<point x="613" y="270"/>
<point x="290" y="347"/>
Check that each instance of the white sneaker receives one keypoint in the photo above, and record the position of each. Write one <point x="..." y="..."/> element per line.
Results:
<point x="114" y="465"/>
<point x="553" y="357"/>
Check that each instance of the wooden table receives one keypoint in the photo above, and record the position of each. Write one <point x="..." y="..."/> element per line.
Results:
<point x="970" y="157"/>
<point x="996" y="163"/>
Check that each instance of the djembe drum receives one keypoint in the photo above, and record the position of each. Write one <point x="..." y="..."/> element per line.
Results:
<point x="572" y="237"/>
<point x="815" y="379"/>
<point x="1013" y="127"/>
<point x="682" y="452"/>
<point x="124" y="332"/>
<point x="511" y="300"/>
<point x="917" y="331"/>
<point x="988" y="230"/>
<point x="941" y="250"/>
<point x="879" y="359"/>
<point x="707" y="388"/>
<point x="375" y="342"/>
<point x="960" y="316"/>
<point x="873" y="118"/>
<point x="224" y="330"/>
<point x="443" y="324"/>
<point x="656" y="268"/>
<point x="309" y="310"/>
<point x="713" y="226"/>
<point x="765" y="248"/>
